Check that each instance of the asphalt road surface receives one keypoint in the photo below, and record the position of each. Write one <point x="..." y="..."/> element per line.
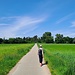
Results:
<point x="29" y="65"/>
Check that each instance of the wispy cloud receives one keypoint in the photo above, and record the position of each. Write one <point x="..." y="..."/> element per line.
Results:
<point x="64" y="18"/>
<point x="3" y="24"/>
<point x="70" y="33"/>
<point x="73" y="24"/>
<point x="9" y="17"/>
<point x="23" y="22"/>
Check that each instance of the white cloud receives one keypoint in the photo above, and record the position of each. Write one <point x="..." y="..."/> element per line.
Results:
<point x="28" y="23"/>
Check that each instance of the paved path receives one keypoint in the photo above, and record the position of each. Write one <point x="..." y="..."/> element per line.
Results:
<point x="29" y="65"/>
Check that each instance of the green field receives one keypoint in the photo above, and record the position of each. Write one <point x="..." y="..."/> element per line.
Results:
<point x="10" y="54"/>
<point x="61" y="58"/>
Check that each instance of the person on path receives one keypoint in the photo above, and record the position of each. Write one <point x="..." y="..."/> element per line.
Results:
<point x="40" y="54"/>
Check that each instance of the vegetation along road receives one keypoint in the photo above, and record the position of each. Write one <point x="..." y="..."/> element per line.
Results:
<point x="10" y="54"/>
<point x="61" y="58"/>
<point x="29" y="65"/>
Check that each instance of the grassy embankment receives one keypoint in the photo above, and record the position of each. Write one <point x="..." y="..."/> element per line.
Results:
<point x="10" y="54"/>
<point x="61" y="58"/>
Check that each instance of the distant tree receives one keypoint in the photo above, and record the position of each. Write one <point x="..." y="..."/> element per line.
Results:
<point x="67" y="39"/>
<point x="1" y="40"/>
<point x="70" y="40"/>
<point x="46" y="34"/>
<point x="6" y="41"/>
<point x="24" y="40"/>
<point x="18" y="40"/>
<point x="47" y="38"/>
<point x="28" y="39"/>
<point x="59" y="38"/>
<point x="35" y="39"/>
<point x="11" y="40"/>
<point x="74" y="40"/>
<point x="39" y="40"/>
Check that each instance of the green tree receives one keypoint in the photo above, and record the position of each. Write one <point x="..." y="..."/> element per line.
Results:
<point x="35" y="39"/>
<point x="67" y="39"/>
<point x="1" y="40"/>
<point x="74" y="40"/>
<point x="11" y="40"/>
<point x="6" y="41"/>
<point x="39" y="40"/>
<point x="18" y="40"/>
<point x="28" y="39"/>
<point x="24" y="40"/>
<point x="59" y="38"/>
<point x="47" y="38"/>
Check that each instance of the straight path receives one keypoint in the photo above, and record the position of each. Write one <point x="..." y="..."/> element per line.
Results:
<point x="29" y="65"/>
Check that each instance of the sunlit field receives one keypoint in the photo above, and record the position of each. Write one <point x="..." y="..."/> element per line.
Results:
<point x="10" y="54"/>
<point x="61" y="58"/>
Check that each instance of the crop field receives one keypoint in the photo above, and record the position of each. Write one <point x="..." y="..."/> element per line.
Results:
<point x="61" y="58"/>
<point x="10" y="54"/>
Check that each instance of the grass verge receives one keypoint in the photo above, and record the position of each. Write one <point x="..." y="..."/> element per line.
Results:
<point x="61" y="58"/>
<point x="10" y="54"/>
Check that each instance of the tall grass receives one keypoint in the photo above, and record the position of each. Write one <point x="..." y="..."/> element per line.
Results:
<point x="10" y="54"/>
<point x="61" y="58"/>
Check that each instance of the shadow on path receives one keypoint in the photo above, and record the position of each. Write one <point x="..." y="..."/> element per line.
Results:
<point x="45" y="63"/>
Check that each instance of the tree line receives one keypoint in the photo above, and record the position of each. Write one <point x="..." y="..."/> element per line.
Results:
<point x="46" y="38"/>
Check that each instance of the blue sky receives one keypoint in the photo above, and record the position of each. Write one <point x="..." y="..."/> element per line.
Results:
<point x="19" y="18"/>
